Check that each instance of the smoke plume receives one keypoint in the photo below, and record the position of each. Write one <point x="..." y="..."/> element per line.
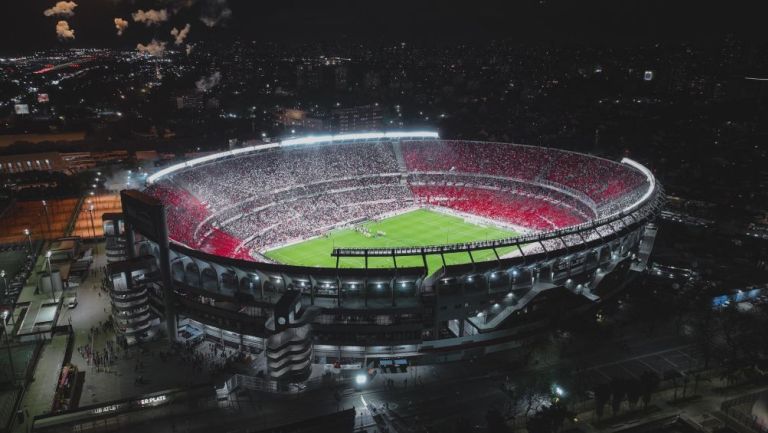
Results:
<point x="61" y="9"/>
<point x="151" y="17"/>
<point x="120" y="25"/>
<point x="215" y="12"/>
<point x="153" y="48"/>
<point x="206" y="84"/>
<point x="180" y="34"/>
<point x="63" y="31"/>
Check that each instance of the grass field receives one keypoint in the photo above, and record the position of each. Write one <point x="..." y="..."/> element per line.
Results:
<point x="416" y="228"/>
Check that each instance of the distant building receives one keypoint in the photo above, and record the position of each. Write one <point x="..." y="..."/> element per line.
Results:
<point x="192" y="101"/>
<point x="293" y="118"/>
<point x="7" y="140"/>
<point x="72" y="162"/>
<point x="80" y="161"/>
<point x="360" y="118"/>
<point x="308" y="76"/>
<point x="48" y="161"/>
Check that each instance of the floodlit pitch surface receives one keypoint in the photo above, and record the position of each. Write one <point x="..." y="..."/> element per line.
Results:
<point x="416" y="228"/>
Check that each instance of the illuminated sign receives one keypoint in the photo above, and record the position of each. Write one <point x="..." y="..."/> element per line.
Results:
<point x="105" y="409"/>
<point x="153" y="401"/>
<point x="21" y="109"/>
<point x="648" y="76"/>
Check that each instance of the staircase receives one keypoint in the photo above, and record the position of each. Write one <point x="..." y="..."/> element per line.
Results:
<point x="289" y="354"/>
<point x="399" y="155"/>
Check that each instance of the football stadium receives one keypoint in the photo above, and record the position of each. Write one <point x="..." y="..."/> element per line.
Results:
<point x="378" y="248"/>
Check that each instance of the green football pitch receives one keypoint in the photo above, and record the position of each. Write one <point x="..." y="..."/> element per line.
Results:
<point x="416" y="228"/>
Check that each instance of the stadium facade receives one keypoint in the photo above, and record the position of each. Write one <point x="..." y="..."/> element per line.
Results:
<point x="585" y="222"/>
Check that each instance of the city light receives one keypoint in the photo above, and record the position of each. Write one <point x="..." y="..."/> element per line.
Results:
<point x="361" y="379"/>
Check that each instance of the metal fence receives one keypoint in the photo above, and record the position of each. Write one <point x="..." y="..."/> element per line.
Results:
<point x="734" y="409"/>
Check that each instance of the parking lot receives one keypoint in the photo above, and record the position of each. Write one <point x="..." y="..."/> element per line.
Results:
<point x="664" y="363"/>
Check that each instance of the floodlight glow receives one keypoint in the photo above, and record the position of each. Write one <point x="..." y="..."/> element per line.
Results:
<point x="361" y="379"/>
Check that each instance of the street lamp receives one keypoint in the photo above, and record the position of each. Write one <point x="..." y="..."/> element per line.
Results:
<point x="93" y="226"/>
<point x="361" y="379"/>
<point x="29" y="238"/>
<point x="47" y="218"/>
<point x="8" y="349"/>
<point x="48" y="255"/>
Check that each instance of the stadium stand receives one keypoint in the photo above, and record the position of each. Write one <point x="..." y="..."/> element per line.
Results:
<point x="274" y="196"/>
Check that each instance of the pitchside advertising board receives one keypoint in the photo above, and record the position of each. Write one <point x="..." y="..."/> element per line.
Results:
<point x="145" y="214"/>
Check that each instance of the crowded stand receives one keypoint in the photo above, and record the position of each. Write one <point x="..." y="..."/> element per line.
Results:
<point x="599" y="179"/>
<point x="501" y="159"/>
<point x="239" y="178"/>
<point x="527" y="211"/>
<point x="269" y="197"/>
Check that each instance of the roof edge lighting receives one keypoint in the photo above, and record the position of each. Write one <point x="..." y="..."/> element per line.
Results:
<point x="311" y="139"/>
<point x="648" y="175"/>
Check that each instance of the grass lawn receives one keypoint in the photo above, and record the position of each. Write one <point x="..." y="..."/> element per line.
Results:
<point x="416" y="228"/>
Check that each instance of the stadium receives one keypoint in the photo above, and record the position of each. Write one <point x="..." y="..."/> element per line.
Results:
<point x="386" y="248"/>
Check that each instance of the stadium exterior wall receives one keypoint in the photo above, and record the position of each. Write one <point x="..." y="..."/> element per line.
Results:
<point x="298" y="315"/>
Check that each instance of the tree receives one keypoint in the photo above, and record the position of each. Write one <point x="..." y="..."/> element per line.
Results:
<point x="602" y="395"/>
<point x="495" y="421"/>
<point x="618" y="391"/>
<point x="463" y="425"/>
<point x="530" y="388"/>
<point x="634" y="391"/>
<point x="549" y="419"/>
<point x="704" y="327"/>
<point x="649" y="381"/>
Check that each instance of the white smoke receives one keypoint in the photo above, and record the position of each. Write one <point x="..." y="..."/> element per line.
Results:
<point x="153" y="48"/>
<point x="151" y="17"/>
<point x="177" y="5"/>
<point x="215" y="12"/>
<point x="62" y="9"/>
<point x="120" y="25"/>
<point x="63" y="31"/>
<point x="180" y="34"/>
<point x="206" y="84"/>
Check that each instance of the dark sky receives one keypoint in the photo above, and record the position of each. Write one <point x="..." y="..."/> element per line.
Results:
<point x="559" y="21"/>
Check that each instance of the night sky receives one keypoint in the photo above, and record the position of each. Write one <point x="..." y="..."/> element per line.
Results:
<point x="622" y="22"/>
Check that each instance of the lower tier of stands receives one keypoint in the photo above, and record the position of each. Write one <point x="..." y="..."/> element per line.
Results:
<point x="306" y="211"/>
